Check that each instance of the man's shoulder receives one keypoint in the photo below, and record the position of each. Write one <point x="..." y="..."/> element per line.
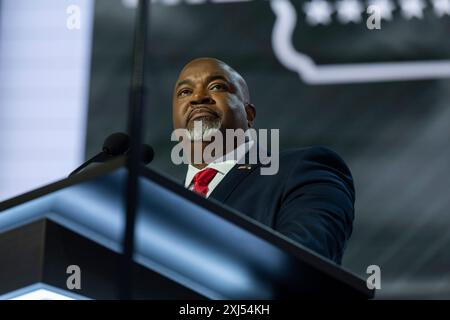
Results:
<point x="317" y="153"/>
<point x="313" y="158"/>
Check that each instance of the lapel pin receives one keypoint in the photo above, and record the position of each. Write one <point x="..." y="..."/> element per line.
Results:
<point x="246" y="167"/>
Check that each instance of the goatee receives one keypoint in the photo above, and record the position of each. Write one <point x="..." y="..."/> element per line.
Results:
<point x="204" y="129"/>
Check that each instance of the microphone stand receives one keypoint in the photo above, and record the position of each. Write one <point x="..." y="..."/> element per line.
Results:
<point x="100" y="157"/>
<point x="135" y="116"/>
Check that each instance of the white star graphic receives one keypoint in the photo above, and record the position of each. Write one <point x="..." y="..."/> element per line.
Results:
<point x="349" y="11"/>
<point x="412" y="8"/>
<point x="385" y="7"/>
<point x="318" y="12"/>
<point x="441" y="7"/>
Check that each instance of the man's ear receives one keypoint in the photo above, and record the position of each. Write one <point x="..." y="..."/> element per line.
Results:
<point x="251" y="114"/>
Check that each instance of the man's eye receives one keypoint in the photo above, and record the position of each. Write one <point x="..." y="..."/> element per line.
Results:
<point x="218" y="86"/>
<point x="184" y="92"/>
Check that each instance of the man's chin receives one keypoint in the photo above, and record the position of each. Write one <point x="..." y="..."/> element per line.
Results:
<point x="204" y="128"/>
<point x="206" y="121"/>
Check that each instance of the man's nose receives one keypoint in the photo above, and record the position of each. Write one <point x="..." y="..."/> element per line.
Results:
<point x="202" y="98"/>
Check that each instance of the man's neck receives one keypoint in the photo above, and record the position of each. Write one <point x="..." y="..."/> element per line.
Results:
<point x="200" y="166"/>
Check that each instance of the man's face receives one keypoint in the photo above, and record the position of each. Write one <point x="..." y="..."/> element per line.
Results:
<point x="207" y="91"/>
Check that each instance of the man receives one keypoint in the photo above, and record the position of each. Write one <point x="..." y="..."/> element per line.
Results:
<point x="310" y="199"/>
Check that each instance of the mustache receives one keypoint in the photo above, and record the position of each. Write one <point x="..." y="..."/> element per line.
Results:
<point x="194" y="110"/>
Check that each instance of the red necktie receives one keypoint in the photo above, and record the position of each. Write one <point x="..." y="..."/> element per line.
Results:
<point x="202" y="179"/>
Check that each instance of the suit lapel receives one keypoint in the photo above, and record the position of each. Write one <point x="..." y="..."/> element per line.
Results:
<point x="236" y="175"/>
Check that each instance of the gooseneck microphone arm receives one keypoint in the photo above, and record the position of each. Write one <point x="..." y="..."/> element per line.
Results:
<point x="100" y="157"/>
<point x="115" y="144"/>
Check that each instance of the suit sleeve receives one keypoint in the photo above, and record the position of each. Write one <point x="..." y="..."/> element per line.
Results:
<point x="317" y="207"/>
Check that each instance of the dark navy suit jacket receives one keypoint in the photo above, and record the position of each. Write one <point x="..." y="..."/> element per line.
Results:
<point x="310" y="199"/>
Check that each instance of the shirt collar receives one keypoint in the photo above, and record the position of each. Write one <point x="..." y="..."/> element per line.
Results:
<point x="221" y="164"/>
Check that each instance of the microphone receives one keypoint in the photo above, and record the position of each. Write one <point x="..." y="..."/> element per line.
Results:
<point x="115" y="145"/>
<point x="147" y="153"/>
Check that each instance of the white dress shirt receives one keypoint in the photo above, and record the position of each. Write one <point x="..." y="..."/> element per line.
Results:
<point x="221" y="165"/>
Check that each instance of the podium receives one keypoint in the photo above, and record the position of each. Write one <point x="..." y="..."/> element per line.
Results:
<point x="186" y="247"/>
